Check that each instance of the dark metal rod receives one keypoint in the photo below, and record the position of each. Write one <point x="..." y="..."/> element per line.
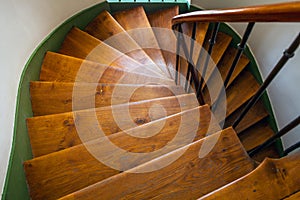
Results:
<point x="271" y="140"/>
<point x="177" y="51"/>
<point x="287" y="54"/>
<point x="212" y="41"/>
<point x="194" y="73"/>
<point x="292" y="148"/>
<point x="241" y="48"/>
<point x="191" y="56"/>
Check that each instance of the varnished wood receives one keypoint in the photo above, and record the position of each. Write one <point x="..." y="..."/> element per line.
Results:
<point x="269" y="152"/>
<point x="136" y="18"/>
<point x="52" y="133"/>
<point x="63" y="172"/>
<point x="107" y="29"/>
<point x="295" y="196"/>
<point x="163" y="19"/>
<point x="273" y="179"/>
<point x="62" y="68"/>
<point x="187" y="178"/>
<point x="281" y="12"/>
<point x="80" y="44"/>
<point x="255" y="114"/>
<point x="256" y="135"/>
<point x="58" y="97"/>
<point x="240" y="91"/>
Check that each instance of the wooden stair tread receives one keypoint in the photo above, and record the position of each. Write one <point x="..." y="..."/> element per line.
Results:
<point x="222" y="71"/>
<point x="163" y="19"/>
<point x="136" y="18"/>
<point x="255" y="114"/>
<point x="57" y="97"/>
<point x="62" y="68"/>
<point x="295" y="196"/>
<point x="56" y="132"/>
<point x="104" y="26"/>
<point x="80" y="44"/>
<point x="273" y="179"/>
<point x="66" y="171"/>
<point x="187" y="178"/>
<point x="222" y="43"/>
<point x="256" y="135"/>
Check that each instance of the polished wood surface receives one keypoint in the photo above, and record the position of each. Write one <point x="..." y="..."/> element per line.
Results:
<point x="60" y="173"/>
<point x="107" y="29"/>
<point x="188" y="178"/>
<point x="62" y="68"/>
<point x="273" y="179"/>
<point x="255" y="114"/>
<point x="82" y="45"/>
<point x="163" y="19"/>
<point x="280" y="12"/>
<point x="56" y="132"/>
<point x="135" y="19"/>
<point x="58" y="97"/>
<point x="295" y="196"/>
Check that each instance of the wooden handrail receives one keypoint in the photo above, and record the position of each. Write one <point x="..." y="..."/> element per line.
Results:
<point x="281" y="12"/>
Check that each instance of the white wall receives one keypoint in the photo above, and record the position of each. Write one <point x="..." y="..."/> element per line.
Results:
<point x="267" y="41"/>
<point x="24" y="24"/>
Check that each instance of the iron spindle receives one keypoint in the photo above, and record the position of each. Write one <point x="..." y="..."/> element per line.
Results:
<point x="271" y="140"/>
<point x="287" y="54"/>
<point x="291" y="148"/>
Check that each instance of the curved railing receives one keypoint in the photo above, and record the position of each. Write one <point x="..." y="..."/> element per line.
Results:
<point x="282" y="12"/>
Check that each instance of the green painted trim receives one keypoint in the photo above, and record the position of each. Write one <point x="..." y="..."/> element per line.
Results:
<point x="15" y="184"/>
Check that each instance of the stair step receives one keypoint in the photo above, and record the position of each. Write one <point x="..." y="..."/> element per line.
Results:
<point x="222" y="43"/>
<point x="222" y="71"/>
<point x="189" y="177"/>
<point x="239" y="92"/>
<point x="273" y="179"/>
<point x="256" y="135"/>
<point x="60" y="173"/>
<point x="255" y="114"/>
<point x="52" y="133"/>
<point x="136" y="18"/>
<point x="163" y="19"/>
<point x="62" y="68"/>
<point x="295" y="196"/>
<point x="104" y="26"/>
<point x="82" y="45"/>
<point x="58" y="97"/>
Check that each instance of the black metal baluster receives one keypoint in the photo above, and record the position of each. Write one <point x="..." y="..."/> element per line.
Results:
<point x="282" y="132"/>
<point x="291" y="148"/>
<point x="212" y="41"/>
<point x="241" y="47"/>
<point x="194" y="74"/>
<point x="179" y="33"/>
<point x="287" y="54"/>
<point x="190" y="57"/>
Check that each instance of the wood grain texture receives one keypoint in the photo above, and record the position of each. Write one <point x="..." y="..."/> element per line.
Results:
<point x="163" y="19"/>
<point x="280" y="12"/>
<point x="60" y="173"/>
<point x="256" y="135"/>
<point x="240" y="91"/>
<point x="255" y="114"/>
<point x="58" y="97"/>
<point x="56" y="132"/>
<point x="80" y="44"/>
<point x="295" y="196"/>
<point x="188" y="178"/>
<point x="107" y="29"/>
<point x="62" y="68"/>
<point x="273" y="179"/>
<point x="136" y="23"/>
<point x="221" y="72"/>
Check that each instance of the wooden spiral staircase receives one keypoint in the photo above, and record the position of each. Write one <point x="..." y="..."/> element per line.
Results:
<point x="63" y="167"/>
